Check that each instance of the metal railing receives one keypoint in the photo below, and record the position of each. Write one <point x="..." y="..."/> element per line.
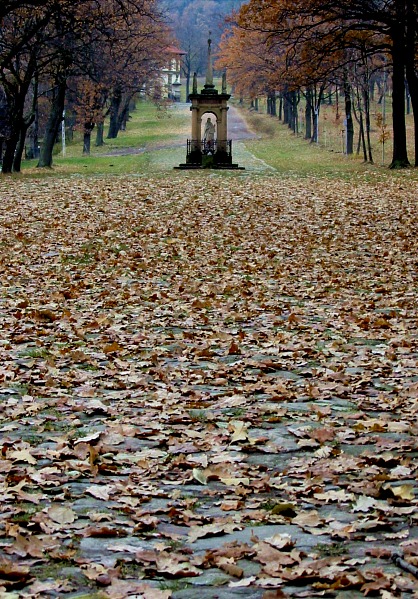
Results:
<point x="206" y="148"/>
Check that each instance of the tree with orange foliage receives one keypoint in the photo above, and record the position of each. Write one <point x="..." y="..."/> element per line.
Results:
<point x="259" y="63"/>
<point x="331" y="26"/>
<point x="60" y="39"/>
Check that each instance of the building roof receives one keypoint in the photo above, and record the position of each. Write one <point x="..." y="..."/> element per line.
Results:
<point x="174" y="50"/>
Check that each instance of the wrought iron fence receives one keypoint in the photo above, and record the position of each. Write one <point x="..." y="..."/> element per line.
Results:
<point x="205" y="147"/>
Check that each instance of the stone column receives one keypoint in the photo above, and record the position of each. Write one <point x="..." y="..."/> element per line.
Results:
<point x="223" y="128"/>
<point x="196" y="126"/>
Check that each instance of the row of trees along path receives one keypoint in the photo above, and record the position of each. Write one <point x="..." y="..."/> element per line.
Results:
<point x="93" y="56"/>
<point x="306" y="47"/>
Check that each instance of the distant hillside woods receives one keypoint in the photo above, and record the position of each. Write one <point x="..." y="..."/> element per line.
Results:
<point x="180" y="5"/>
<point x="191" y="21"/>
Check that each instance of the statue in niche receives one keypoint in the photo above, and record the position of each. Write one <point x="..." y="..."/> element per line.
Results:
<point x="209" y="135"/>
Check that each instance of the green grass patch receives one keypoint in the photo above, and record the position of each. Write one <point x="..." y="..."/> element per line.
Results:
<point x="149" y="128"/>
<point x="291" y="154"/>
<point x="166" y="129"/>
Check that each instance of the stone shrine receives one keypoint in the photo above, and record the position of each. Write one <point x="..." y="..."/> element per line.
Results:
<point x="214" y="149"/>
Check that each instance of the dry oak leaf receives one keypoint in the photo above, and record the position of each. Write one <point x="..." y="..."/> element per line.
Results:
<point x="21" y="455"/>
<point x="379" y="584"/>
<point x="234" y="550"/>
<point x="210" y="530"/>
<point x="405" y="492"/>
<point x="96" y="406"/>
<point x="31" y="497"/>
<point x="345" y="580"/>
<point x="41" y="589"/>
<point x="322" y="434"/>
<point x="12" y="574"/>
<point x="111" y="347"/>
<point x="235" y="482"/>
<point x="245" y="582"/>
<point x="100" y="491"/>
<point x="410" y="547"/>
<point x="86" y="391"/>
<point x="93" y="571"/>
<point x="239" y="431"/>
<point x="61" y="514"/>
<point x="234" y="349"/>
<point x="24" y="546"/>
<point x="382" y="552"/>
<point x="282" y="542"/>
<point x="199" y="475"/>
<point x="174" y="565"/>
<point x="274" y="559"/>
<point x="232" y="505"/>
<point x="121" y="589"/>
<point x="339" y="496"/>
<point x="364" y="504"/>
<point x="147" y="522"/>
<point x="308" y="518"/>
<point x="152" y="593"/>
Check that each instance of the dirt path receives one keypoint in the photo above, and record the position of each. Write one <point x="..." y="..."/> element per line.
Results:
<point x="209" y="388"/>
<point x="238" y="130"/>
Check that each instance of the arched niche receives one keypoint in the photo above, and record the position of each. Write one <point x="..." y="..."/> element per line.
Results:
<point x="209" y="100"/>
<point x="206" y="104"/>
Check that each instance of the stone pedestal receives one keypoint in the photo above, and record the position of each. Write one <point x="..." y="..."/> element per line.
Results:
<point x="209" y="102"/>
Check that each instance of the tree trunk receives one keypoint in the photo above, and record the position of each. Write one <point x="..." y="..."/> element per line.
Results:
<point x="411" y="74"/>
<point x="99" y="135"/>
<point x="366" y="103"/>
<point x="362" y="139"/>
<point x="188" y="77"/>
<point x="16" y="102"/>
<point x="308" y="114"/>
<point x="294" y="101"/>
<point x="408" y="100"/>
<point x="367" y="119"/>
<point x="88" y="128"/>
<point x="400" y="153"/>
<point x="317" y="100"/>
<point x="9" y="153"/>
<point x="20" y="146"/>
<point x="26" y="122"/>
<point x="273" y="105"/>
<point x="123" y="116"/>
<point x="115" y="103"/>
<point x="286" y="109"/>
<point x="315" y="136"/>
<point x="349" y="126"/>
<point x="35" y="135"/>
<point x="52" y="127"/>
<point x="413" y="88"/>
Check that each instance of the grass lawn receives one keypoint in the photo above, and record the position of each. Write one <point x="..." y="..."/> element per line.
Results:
<point x="148" y="129"/>
<point x="167" y="129"/>
<point x="292" y="154"/>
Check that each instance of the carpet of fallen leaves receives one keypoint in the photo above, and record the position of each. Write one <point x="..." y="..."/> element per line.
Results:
<point x="209" y="384"/>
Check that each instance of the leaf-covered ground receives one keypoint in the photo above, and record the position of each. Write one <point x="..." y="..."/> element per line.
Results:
<point x="209" y="387"/>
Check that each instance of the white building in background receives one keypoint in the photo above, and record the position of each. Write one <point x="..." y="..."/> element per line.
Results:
<point x="172" y="74"/>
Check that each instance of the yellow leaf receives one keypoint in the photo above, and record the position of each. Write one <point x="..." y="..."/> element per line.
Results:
<point x="21" y="455"/>
<point x="402" y="492"/>
<point x="199" y="475"/>
<point x="61" y="514"/>
<point x="239" y="431"/>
